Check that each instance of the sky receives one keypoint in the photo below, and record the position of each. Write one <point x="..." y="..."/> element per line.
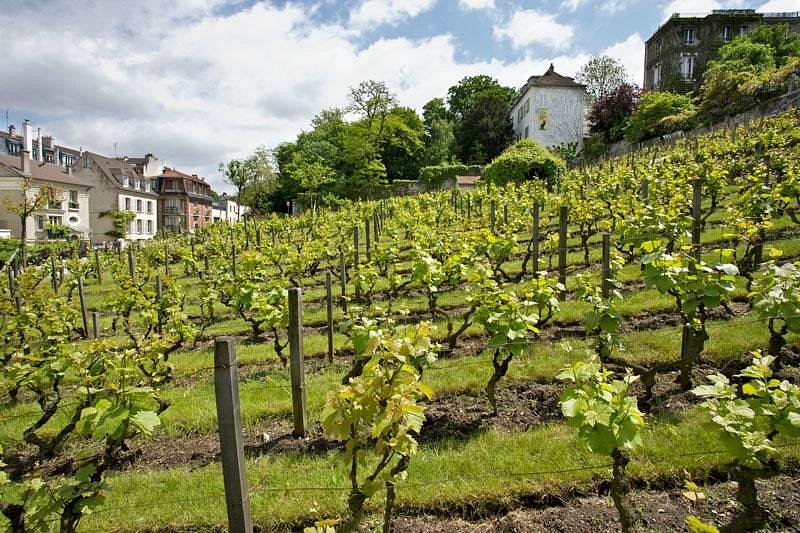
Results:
<point x="198" y="82"/>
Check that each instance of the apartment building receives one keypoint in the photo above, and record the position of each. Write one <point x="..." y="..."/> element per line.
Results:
<point x="185" y="201"/>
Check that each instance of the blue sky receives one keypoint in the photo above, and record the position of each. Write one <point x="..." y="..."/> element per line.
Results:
<point x="197" y="82"/>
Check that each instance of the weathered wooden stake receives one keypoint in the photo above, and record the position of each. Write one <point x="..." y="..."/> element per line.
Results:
<point x="96" y="324"/>
<point x="53" y="278"/>
<point x="97" y="269"/>
<point x="606" y="270"/>
<point x="697" y="199"/>
<point x="296" y="363"/>
<point x="159" y="294"/>
<point x="166" y="260"/>
<point x="645" y="190"/>
<point x="367" y="241"/>
<point x="132" y="263"/>
<point x="233" y="259"/>
<point x="343" y="280"/>
<point x="82" y="300"/>
<point x="234" y="473"/>
<point x="355" y="247"/>
<point x="492" y="216"/>
<point x="562" y="246"/>
<point x="535" y="238"/>
<point x="329" y="308"/>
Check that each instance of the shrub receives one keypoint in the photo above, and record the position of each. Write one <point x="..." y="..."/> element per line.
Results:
<point x="654" y="107"/>
<point x="523" y="161"/>
<point x="433" y="177"/>
<point x="609" y="114"/>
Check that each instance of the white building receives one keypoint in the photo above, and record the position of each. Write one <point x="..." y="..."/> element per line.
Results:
<point x="228" y="210"/>
<point x="119" y="186"/>
<point x="550" y="109"/>
<point x="69" y="209"/>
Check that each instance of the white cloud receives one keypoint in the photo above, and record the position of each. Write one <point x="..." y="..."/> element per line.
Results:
<point x="372" y="13"/>
<point x="571" y="5"/>
<point x="530" y="26"/>
<point x="476" y="4"/>
<point x="614" y="6"/>
<point x="778" y="6"/>
<point x="630" y="53"/>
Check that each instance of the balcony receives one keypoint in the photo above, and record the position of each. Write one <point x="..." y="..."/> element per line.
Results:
<point x="171" y="209"/>
<point x="74" y="206"/>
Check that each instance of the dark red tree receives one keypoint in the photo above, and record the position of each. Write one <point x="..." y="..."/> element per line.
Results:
<point x="608" y="115"/>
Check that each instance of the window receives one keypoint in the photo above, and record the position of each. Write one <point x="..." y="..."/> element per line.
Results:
<point x="149" y="207"/>
<point x="126" y="181"/>
<point x="127" y="204"/>
<point x="542" y="118"/>
<point x="55" y="220"/>
<point x="40" y="222"/>
<point x="526" y="132"/>
<point x="688" y="35"/>
<point x="54" y="203"/>
<point x="139" y="226"/>
<point x="519" y="114"/>
<point x="726" y="33"/>
<point x="742" y="31"/>
<point x="687" y="66"/>
<point x="657" y="76"/>
<point x="13" y="148"/>
<point x="138" y="206"/>
<point x="150" y="227"/>
<point x="73" y="200"/>
<point x="527" y="106"/>
<point x="658" y="46"/>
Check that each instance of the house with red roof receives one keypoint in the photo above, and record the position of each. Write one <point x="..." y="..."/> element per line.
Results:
<point x="184" y="201"/>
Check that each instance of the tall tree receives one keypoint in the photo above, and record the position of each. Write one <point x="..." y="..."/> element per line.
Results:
<point x="601" y="75"/>
<point x="485" y="130"/>
<point x="372" y="101"/>
<point x="235" y="173"/>
<point x="482" y="126"/>
<point x="610" y="113"/>
<point x="26" y="204"/>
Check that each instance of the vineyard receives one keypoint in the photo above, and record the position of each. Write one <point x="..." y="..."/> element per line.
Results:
<point x="509" y="356"/>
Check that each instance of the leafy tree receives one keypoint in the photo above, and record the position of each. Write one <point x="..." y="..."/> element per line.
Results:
<point x="523" y="161"/>
<point x="119" y="222"/>
<point x="25" y="203"/>
<point x="402" y="147"/>
<point x="236" y="173"/>
<point x="433" y="110"/>
<point x="482" y="127"/>
<point x="610" y="112"/>
<point x="602" y="75"/>
<point x="373" y="101"/>
<point x="485" y="129"/>
<point x="660" y="113"/>
<point x="784" y="43"/>
<point x="439" y="143"/>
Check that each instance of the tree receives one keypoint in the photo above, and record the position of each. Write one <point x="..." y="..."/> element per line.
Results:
<point x="439" y="143"/>
<point x="485" y="130"/>
<point x="27" y="203"/>
<point x="373" y="101"/>
<point x="660" y="113"/>
<point x="402" y="147"/>
<point x="481" y="123"/>
<point x="462" y="97"/>
<point x="784" y="43"/>
<point x="235" y="172"/>
<point x="610" y="113"/>
<point x="601" y="75"/>
<point x="262" y="180"/>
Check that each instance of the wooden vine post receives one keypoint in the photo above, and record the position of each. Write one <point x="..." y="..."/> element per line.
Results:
<point x="535" y="238"/>
<point x="296" y="362"/>
<point x="606" y="268"/>
<point x="132" y="263"/>
<point x="329" y="309"/>
<point x="562" y="246"/>
<point x="84" y="316"/>
<point x="234" y="473"/>
<point x="97" y="267"/>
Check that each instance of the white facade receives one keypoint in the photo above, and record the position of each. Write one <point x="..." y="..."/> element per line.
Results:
<point x="550" y="110"/>
<point x="228" y="211"/>
<point x="145" y="224"/>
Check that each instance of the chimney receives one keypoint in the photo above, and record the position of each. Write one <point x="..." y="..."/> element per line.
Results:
<point x="27" y="137"/>
<point x="12" y="130"/>
<point x="25" y="162"/>
<point x="41" y="146"/>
